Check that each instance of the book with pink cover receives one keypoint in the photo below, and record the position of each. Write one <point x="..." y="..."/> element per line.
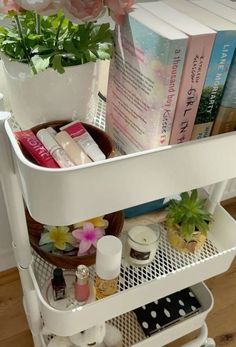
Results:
<point x="144" y="80"/>
<point x="201" y="39"/>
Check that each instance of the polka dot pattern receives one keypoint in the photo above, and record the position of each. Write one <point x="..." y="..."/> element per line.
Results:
<point x="161" y="313"/>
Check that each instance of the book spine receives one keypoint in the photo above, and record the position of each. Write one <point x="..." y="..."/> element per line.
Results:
<point x="226" y="117"/>
<point x="194" y="72"/>
<point x="221" y="58"/>
<point x="143" y="86"/>
<point x="225" y="121"/>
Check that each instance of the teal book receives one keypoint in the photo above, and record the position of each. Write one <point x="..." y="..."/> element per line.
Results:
<point x="226" y="117"/>
<point x="144" y="80"/>
<point x="219" y="64"/>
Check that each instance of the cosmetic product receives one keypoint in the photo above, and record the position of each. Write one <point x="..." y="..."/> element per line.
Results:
<point x="72" y="149"/>
<point x="141" y="245"/>
<point x="82" y="284"/>
<point x="32" y="145"/>
<point x="51" y="131"/>
<point x="108" y="261"/>
<point x="80" y="135"/>
<point x="58" y="284"/>
<point x="53" y="147"/>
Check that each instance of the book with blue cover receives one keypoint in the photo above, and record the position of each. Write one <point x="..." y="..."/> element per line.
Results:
<point x="144" y="81"/>
<point x="219" y="64"/>
<point x="226" y="117"/>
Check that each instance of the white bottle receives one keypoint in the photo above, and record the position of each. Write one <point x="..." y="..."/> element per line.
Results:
<point x="55" y="150"/>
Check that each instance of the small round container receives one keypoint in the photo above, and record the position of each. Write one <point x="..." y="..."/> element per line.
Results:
<point x="141" y="245"/>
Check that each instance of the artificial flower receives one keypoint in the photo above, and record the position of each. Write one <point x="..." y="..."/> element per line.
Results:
<point x="51" y="9"/>
<point x="99" y="222"/>
<point x="9" y="5"/>
<point x="88" y="237"/>
<point x="57" y="235"/>
<point x="35" y="5"/>
<point x="83" y="10"/>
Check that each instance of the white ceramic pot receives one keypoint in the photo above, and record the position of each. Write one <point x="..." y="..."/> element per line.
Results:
<point x="49" y="95"/>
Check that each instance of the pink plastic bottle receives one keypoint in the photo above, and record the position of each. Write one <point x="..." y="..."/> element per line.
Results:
<point x="82" y="284"/>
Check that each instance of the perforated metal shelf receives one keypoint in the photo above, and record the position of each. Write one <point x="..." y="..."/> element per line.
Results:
<point x="167" y="261"/>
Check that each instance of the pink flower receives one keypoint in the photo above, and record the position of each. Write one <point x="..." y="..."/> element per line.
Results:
<point x="82" y="10"/>
<point x="52" y="8"/>
<point x="118" y="8"/>
<point x="88" y="237"/>
<point x="36" y="5"/>
<point x="9" y="5"/>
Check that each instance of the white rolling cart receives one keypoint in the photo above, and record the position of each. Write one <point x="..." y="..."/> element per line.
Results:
<point x="51" y="197"/>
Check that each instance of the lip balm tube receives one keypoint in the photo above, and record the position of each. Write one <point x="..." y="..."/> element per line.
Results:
<point x="55" y="150"/>
<point x="80" y="135"/>
<point x="31" y="144"/>
<point x="74" y="152"/>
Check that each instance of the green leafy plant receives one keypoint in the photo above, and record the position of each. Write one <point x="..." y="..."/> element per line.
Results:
<point x="188" y="215"/>
<point x="54" y="41"/>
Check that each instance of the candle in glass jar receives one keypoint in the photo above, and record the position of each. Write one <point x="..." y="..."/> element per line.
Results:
<point x="141" y="245"/>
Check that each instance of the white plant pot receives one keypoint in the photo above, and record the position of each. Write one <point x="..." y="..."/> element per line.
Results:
<point x="49" y="95"/>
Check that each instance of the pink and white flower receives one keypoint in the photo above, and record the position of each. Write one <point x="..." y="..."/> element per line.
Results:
<point x="88" y="237"/>
<point x="35" y="5"/>
<point x="82" y="10"/>
<point x="9" y="5"/>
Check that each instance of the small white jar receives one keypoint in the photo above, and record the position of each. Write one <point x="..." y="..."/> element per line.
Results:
<point x="141" y="245"/>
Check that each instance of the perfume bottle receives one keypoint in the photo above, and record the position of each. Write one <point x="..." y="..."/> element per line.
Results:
<point x="108" y="261"/>
<point x="82" y="284"/>
<point x="58" y="284"/>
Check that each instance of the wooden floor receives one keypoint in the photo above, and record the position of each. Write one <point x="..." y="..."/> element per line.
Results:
<point x="221" y="321"/>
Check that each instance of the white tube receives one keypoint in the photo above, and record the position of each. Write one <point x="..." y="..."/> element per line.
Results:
<point x="80" y="135"/>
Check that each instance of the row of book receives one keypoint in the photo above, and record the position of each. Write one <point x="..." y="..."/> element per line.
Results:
<point x="173" y="75"/>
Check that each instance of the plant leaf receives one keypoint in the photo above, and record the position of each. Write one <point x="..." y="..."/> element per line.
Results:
<point x="57" y="64"/>
<point x="40" y="63"/>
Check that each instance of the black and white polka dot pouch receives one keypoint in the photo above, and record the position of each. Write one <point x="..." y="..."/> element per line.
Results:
<point x="166" y="311"/>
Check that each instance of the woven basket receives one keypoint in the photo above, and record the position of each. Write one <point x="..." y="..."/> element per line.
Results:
<point x="116" y="221"/>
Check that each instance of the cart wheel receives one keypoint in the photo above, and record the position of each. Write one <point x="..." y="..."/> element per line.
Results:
<point x="209" y="343"/>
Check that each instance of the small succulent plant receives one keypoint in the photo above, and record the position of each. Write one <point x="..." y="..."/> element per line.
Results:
<point x="188" y="215"/>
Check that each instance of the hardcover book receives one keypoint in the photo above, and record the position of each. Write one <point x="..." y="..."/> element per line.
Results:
<point x="226" y="117"/>
<point x="144" y="80"/>
<point x="219" y="64"/>
<point x="201" y="39"/>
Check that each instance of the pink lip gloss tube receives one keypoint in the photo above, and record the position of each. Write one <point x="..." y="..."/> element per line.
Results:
<point x="35" y="147"/>
<point x="82" y="284"/>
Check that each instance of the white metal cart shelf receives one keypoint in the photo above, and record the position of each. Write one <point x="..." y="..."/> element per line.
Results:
<point x="51" y="197"/>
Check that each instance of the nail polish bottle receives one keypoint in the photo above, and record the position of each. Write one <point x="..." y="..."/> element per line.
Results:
<point x="82" y="284"/>
<point x="108" y="261"/>
<point x="58" y="284"/>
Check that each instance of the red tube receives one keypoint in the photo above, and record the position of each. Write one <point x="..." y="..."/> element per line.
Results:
<point x="33" y="146"/>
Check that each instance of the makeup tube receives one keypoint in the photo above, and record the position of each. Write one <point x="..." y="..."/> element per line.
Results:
<point x="32" y="145"/>
<point x="80" y="135"/>
<point x="74" y="152"/>
<point x="55" y="150"/>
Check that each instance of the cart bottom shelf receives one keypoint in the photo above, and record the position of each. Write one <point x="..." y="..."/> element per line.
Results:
<point x="133" y="334"/>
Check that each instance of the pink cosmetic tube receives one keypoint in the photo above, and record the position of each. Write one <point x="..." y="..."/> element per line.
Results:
<point x="80" y="135"/>
<point x="33" y="146"/>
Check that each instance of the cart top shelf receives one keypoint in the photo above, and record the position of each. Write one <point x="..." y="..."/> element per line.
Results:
<point x="66" y="196"/>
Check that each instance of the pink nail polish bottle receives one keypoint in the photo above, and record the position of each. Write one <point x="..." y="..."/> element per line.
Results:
<point x="82" y="284"/>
